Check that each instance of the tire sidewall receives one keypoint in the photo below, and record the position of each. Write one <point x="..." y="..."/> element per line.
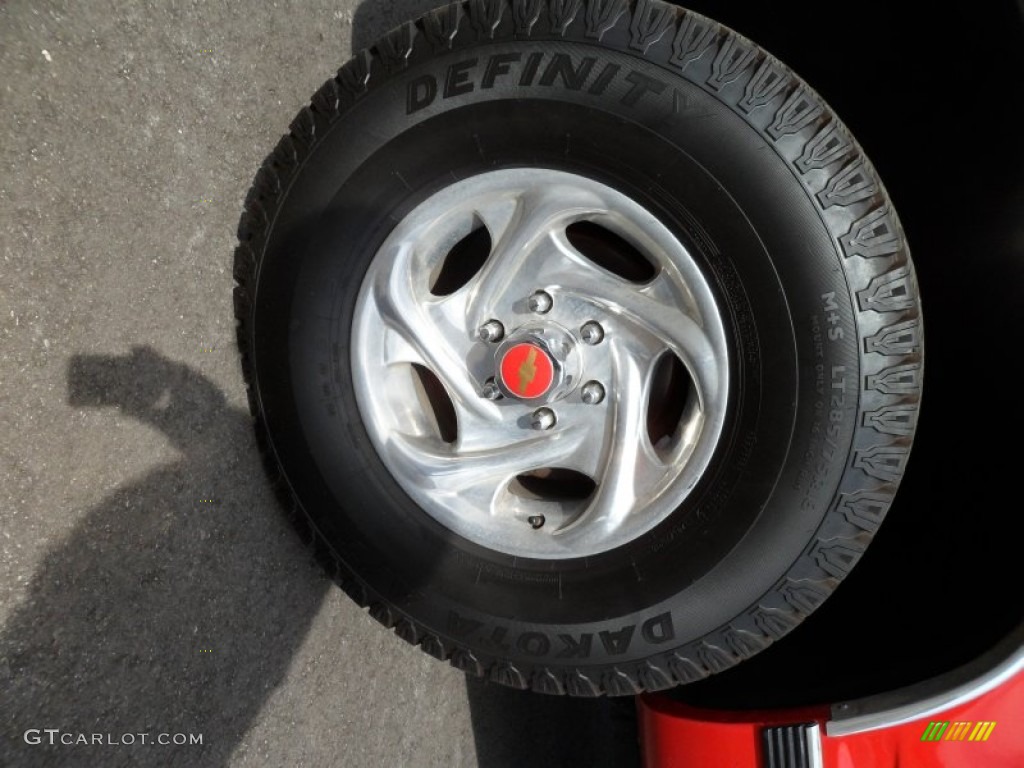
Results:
<point x="716" y="182"/>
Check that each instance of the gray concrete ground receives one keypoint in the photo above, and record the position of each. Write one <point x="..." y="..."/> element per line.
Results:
<point x="148" y="582"/>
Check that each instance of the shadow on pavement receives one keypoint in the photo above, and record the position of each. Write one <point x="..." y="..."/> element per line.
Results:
<point x="175" y="604"/>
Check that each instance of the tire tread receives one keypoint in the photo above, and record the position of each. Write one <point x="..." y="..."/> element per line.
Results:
<point x="834" y="170"/>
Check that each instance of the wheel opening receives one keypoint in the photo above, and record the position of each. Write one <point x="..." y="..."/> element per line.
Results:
<point x="553" y="484"/>
<point x="671" y="390"/>
<point x="610" y="251"/>
<point x="463" y="261"/>
<point x="436" y="403"/>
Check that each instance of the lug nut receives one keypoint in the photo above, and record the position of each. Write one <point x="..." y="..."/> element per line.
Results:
<point x="536" y="521"/>
<point x="543" y="418"/>
<point x="540" y="302"/>
<point x="592" y="393"/>
<point x="490" y="390"/>
<point x="592" y="333"/>
<point x="492" y="331"/>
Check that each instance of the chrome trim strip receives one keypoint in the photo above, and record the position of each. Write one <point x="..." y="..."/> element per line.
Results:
<point x="814" y="746"/>
<point x="791" y="746"/>
<point x="937" y="694"/>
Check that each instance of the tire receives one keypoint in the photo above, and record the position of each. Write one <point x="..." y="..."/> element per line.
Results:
<point x="714" y="205"/>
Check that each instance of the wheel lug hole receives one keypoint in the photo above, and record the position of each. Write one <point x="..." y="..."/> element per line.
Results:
<point x="536" y="521"/>
<point x="592" y="333"/>
<point x="490" y="390"/>
<point x="543" y="419"/>
<point x="592" y="393"/>
<point x="540" y="302"/>
<point x="492" y="332"/>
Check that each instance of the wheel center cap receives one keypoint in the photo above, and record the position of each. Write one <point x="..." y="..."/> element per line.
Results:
<point x="526" y="371"/>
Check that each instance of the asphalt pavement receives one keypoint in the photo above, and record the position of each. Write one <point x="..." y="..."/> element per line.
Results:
<point x="150" y="588"/>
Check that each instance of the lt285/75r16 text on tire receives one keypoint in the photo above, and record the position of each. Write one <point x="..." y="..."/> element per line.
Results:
<point x="582" y="339"/>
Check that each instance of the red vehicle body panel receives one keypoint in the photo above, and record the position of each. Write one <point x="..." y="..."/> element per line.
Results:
<point x="674" y="735"/>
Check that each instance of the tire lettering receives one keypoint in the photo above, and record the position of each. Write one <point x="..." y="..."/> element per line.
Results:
<point x="458" y="83"/>
<point x="641" y="84"/>
<point x="464" y="77"/>
<point x="829" y="420"/>
<point x="835" y="331"/>
<point x="837" y="401"/>
<point x="561" y="66"/>
<point x="422" y="92"/>
<point x="578" y="649"/>
<point x="530" y="70"/>
<point x="838" y="392"/>
<point x="533" y="643"/>
<point x="497" y="65"/>
<point x="617" y="643"/>
<point x="658" y="630"/>
<point x="602" y="81"/>
<point x="496" y="640"/>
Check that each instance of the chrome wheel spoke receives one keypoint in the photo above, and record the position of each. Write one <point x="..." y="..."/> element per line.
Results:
<point x="672" y="326"/>
<point x="628" y="465"/>
<point x="526" y="246"/>
<point x="430" y="335"/>
<point x="481" y="473"/>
